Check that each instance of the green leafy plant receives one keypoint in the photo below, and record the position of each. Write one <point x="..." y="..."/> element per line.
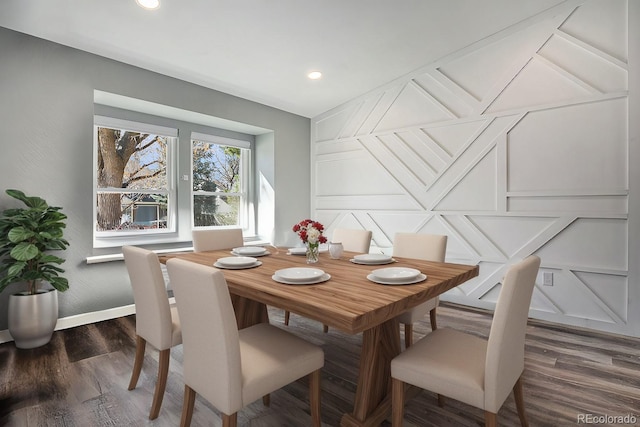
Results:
<point x="27" y="237"/>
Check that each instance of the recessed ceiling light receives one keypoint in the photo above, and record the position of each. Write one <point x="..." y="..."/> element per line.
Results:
<point x="314" y="75"/>
<point x="149" y="4"/>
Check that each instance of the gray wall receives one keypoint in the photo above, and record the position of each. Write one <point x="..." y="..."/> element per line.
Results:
<point x="46" y="109"/>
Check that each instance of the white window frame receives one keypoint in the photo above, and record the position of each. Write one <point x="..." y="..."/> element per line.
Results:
<point x="159" y="235"/>
<point x="244" y="213"/>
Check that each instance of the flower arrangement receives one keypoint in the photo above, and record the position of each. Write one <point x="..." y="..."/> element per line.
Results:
<point x="310" y="232"/>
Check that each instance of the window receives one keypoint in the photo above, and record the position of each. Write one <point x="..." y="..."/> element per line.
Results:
<point x="134" y="193"/>
<point x="152" y="187"/>
<point x="220" y="177"/>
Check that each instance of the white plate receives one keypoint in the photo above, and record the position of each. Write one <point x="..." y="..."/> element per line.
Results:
<point x="299" y="274"/>
<point x="250" y="251"/>
<point x="297" y="251"/>
<point x="323" y="278"/>
<point x="236" y="261"/>
<point x="372" y="259"/>
<point x="236" y="267"/>
<point x="418" y="279"/>
<point x="396" y="274"/>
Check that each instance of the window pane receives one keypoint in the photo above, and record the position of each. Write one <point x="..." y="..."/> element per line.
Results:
<point x="131" y="160"/>
<point x="217" y="184"/>
<point x="216" y="168"/>
<point x="147" y="168"/>
<point x="136" y="211"/>
<point x="215" y="210"/>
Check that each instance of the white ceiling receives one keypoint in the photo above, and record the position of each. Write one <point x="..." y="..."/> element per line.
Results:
<point x="262" y="49"/>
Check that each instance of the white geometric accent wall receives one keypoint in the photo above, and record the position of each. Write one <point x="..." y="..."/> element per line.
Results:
<point x="514" y="146"/>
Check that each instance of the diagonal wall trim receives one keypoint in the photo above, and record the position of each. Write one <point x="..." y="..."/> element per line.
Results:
<point x="592" y="49"/>
<point x="485" y="142"/>
<point x="438" y="190"/>
<point x="395" y="143"/>
<point x="346" y="123"/>
<point x="487" y="283"/>
<point x="389" y="161"/>
<point x="488" y="117"/>
<point x="499" y="87"/>
<point x="472" y="231"/>
<point x="545" y="236"/>
<point x="550" y="97"/>
<point x="433" y="145"/>
<point x="539" y="291"/>
<point x="567" y="75"/>
<point x="434" y="100"/>
<point x="454" y="88"/>
<point x="516" y="67"/>
<point x="365" y="115"/>
<point x="385" y="104"/>
<point x="593" y="297"/>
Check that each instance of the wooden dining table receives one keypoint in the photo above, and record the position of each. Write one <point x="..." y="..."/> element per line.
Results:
<point x="348" y="301"/>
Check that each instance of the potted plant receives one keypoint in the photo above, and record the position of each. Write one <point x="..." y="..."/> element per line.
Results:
<point x="28" y="236"/>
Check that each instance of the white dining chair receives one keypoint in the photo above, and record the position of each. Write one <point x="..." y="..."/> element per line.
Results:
<point x="228" y="367"/>
<point x="353" y="240"/>
<point x="157" y="323"/>
<point x="470" y="369"/>
<point x="428" y="247"/>
<point x="212" y="239"/>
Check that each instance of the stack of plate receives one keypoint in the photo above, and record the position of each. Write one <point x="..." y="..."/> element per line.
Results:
<point x="372" y="259"/>
<point x="237" y="262"/>
<point x="300" y="276"/>
<point x="297" y="251"/>
<point x="396" y="276"/>
<point x="250" y="251"/>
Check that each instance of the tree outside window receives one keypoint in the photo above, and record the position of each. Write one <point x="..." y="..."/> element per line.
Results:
<point x="218" y="187"/>
<point x="132" y="186"/>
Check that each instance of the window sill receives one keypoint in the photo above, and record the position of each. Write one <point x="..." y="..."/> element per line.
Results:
<point x="99" y="259"/>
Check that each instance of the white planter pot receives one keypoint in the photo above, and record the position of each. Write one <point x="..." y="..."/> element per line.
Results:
<point x="33" y="318"/>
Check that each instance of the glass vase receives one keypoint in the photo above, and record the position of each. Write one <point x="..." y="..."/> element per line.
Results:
<point x="312" y="253"/>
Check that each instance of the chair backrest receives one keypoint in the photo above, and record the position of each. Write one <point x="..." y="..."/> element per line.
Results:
<point x="353" y="240"/>
<point x="428" y="247"/>
<point x="210" y="338"/>
<point x="214" y="239"/>
<point x="505" y="349"/>
<point x="153" y="314"/>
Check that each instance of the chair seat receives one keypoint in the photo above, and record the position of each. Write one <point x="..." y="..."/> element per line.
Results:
<point x="273" y="358"/>
<point x="447" y="362"/>
<point x="418" y="313"/>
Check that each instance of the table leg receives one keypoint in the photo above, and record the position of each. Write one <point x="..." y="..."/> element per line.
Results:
<point x="249" y="312"/>
<point x="372" y="405"/>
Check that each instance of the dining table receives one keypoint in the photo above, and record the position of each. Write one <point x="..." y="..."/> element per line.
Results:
<point x="348" y="301"/>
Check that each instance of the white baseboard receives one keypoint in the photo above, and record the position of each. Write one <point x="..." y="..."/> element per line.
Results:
<point x="83" y="319"/>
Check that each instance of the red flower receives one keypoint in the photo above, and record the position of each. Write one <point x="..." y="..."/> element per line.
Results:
<point x="302" y="228"/>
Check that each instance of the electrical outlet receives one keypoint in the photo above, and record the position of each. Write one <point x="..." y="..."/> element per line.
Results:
<point x="547" y="278"/>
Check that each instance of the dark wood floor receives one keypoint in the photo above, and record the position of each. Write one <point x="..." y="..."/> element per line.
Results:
<point x="81" y="377"/>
